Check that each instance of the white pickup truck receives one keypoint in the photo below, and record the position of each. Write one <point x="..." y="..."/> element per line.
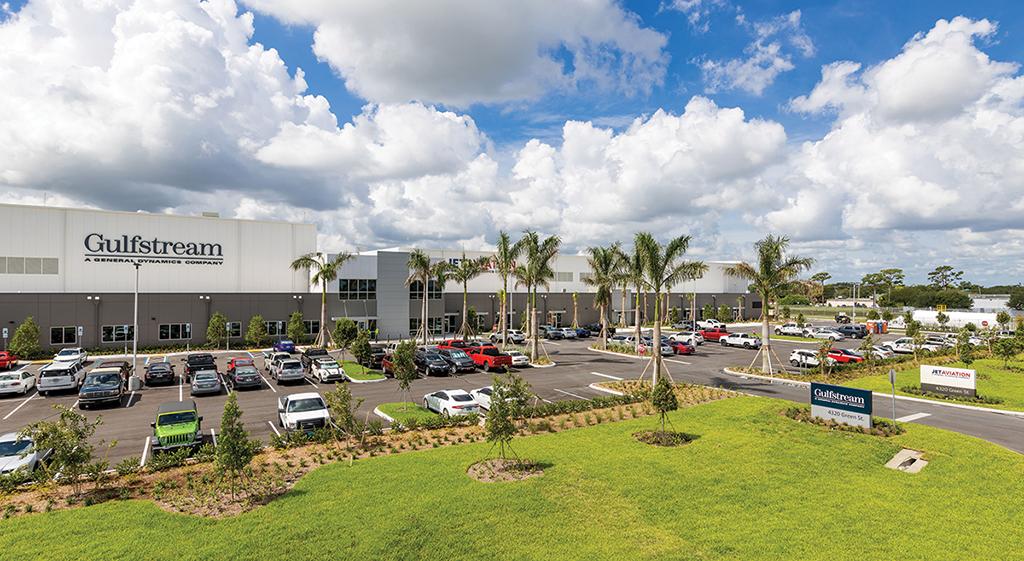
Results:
<point x="710" y="323"/>
<point x="302" y="411"/>
<point x="905" y="345"/>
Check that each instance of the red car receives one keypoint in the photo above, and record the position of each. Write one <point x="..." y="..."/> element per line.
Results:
<point x="681" y="348"/>
<point x="713" y="333"/>
<point x="456" y="344"/>
<point x="843" y="356"/>
<point x="489" y="358"/>
<point x="8" y="360"/>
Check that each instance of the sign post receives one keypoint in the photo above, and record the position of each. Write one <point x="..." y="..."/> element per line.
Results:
<point x="841" y="404"/>
<point x="5" y="338"/>
<point x="892" y="380"/>
<point x="227" y="335"/>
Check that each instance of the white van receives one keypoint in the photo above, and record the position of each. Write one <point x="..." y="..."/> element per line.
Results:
<point x="58" y="376"/>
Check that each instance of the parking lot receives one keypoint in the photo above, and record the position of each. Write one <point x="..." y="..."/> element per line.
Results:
<point x="577" y="367"/>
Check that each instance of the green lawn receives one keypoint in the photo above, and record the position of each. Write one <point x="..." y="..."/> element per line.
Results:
<point x="755" y="485"/>
<point x="411" y="411"/>
<point x="356" y="372"/>
<point x="993" y="381"/>
<point x="792" y="338"/>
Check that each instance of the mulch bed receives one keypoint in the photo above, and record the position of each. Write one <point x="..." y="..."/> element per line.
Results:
<point x="666" y="438"/>
<point x="497" y="469"/>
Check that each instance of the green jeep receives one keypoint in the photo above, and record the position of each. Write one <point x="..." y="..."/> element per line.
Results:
<point x="177" y="424"/>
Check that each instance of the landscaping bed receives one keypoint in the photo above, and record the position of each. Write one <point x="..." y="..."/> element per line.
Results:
<point x="356" y="372"/>
<point x="879" y="425"/>
<point x="403" y="412"/>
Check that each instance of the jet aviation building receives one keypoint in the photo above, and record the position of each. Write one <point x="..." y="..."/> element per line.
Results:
<point x="74" y="271"/>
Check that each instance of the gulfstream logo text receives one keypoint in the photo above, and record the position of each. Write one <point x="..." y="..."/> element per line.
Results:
<point x="836" y="397"/>
<point x="136" y="246"/>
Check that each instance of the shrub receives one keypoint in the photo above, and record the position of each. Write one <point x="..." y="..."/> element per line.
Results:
<point x="879" y="426"/>
<point x="256" y="332"/>
<point x="128" y="466"/>
<point x="168" y="459"/>
<point x="25" y="342"/>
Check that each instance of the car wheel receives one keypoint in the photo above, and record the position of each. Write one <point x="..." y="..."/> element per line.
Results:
<point x="487" y="367"/>
<point x="446" y="414"/>
<point x="795" y="363"/>
<point x="723" y="343"/>
<point x="746" y="345"/>
<point x="777" y="332"/>
<point x="425" y="406"/>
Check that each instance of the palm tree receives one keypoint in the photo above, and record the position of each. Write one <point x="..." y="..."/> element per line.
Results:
<point x="603" y="262"/>
<point x="773" y="271"/>
<point x="536" y="271"/>
<point x="420" y="271"/>
<point x="631" y="273"/>
<point x="465" y="271"/>
<point x="663" y="267"/>
<point x="504" y="265"/>
<point x="324" y="271"/>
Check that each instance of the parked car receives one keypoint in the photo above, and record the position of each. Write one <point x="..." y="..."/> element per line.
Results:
<point x="273" y="357"/>
<point x="490" y="358"/>
<point x="940" y="341"/>
<point x="19" y="453"/>
<point x="58" y="376"/>
<point x="457" y="358"/>
<point x="568" y="332"/>
<point x="196" y="362"/>
<point x="842" y="318"/>
<point x="454" y="344"/>
<point x="327" y="369"/>
<point x="824" y="333"/>
<point x="122" y="366"/>
<point x="691" y="338"/>
<point x="710" y="324"/>
<point x="595" y="329"/>
<point x="804" y="358"/>
<point x="515" y="337"/>
<point x="71" y="354"/>
<point x="8" y="360"/>
<point x="844" y="356"/>
<point x="646" y="344"/>
<point x="905" y="345"/>
<point x="309" y="355"/>
<point x="206" y="382"/>
<point x="518" y="359"/>
<point x="713" y="333"/>
<point x="682" y="348"/>
<point x="377" y="354"/>
<point x="451" y="402"/>
<point x="302" y="411"/>
<point x="289" y="370"/>
<point x="102" y="385"/>
<point x="881" y="353"/>
<point x="854" y="331"/>
<point x="244" y="376"/>
<point x="745" y="340"/>
<point x="284" y="346"/>
<point x="17" y="382"/>
<point x="431" y="363"/>
<point x="235" y="362"/>
<point x="582" y="333"/>
<point x="178" y="424"/>
<point x="688" y="325"/>
<point x="483" y="396"/>
<point x="793" y="329"/>
<point x="158" y="372"/>
<point x="552" y="333"/>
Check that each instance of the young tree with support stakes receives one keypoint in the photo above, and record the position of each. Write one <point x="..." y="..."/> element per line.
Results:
<point x="964" y="349"/>
<point x="235" y="450"/>
<point x="1003" y="319"/>
<point x="663" y="266"/>
<point x="324" y="271"/>
<point x="345" y="332"/>
<point x="296" y="328"/>
<point x="769" y="276"/>
<point x="465" y="271"/>
<point x="69" y="440"/>
<point x="1005" y="349"/>
<point x="256" y="331"/>
<point x="509" y="396"/>
<point x="603" y="262"/>
<point x="866" y="347"/>
<point x="504" y="261"/>
<point x="361" y="349"/>
<point x="824" y="363"/>
<point x="405" y="368"/>
<point x="536" y="271"/>
<point x="217" y="329"/>
<point x="942" y="318"/>
<point x="663" y="398"/>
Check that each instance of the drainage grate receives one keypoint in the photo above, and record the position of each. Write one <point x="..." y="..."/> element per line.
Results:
<point x="910" y="461"/>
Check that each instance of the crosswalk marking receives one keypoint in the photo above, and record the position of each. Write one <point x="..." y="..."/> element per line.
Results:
<point x="913" y="417"/>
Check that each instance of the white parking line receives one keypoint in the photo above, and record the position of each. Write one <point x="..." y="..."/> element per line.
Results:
<point x="75" y="404"/>
<point x="677" y="361"/>
<point x="913" y="417"/>
<point x="546" y="400"/>
<point x="213" y="435"/>
<point x="267" y="382"/>
<point x="606" y="376"/>
<point x="130" y="398"/>
<point x="277" y="432"/>
<point x="20" y="405"/>
<point x="551" y="343"/>
<point x="310" y="380"/>
<point x="570" y="393"/>
<point x="145" y="452"/>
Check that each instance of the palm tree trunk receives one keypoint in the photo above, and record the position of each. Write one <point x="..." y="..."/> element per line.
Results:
<point x="425" y="310"/>
<point x="464" y="330"/>
<point x="622" y="310"/>
<point x="604" y="328"/>
<point x="636" y="320"/>
<point x="656" y="341"/>
<point x="504" y="312"/>
<point x="766" y="346"/>
<point x="321" y="338"/>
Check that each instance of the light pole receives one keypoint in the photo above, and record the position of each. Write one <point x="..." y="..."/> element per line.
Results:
<point x="491" y="297"/>
<point x="135" y="329"/>
<point x="544" y="297"/>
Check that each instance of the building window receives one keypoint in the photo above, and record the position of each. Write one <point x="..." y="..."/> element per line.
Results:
<point x="117" y="333"/>
<point x="563" y="276"/>
<point x="357" y="289"/>
<point x="276" y="328"/>
<point x="175" y="331"/>
<point x="28" y="265"/>
<point x="312" y="326"/>
<point x="63" y="335"/>
<point x="416" y="290"/>
<point x="234" y="329"/>
<point x="433" y="324"/>
<point x="585" y="276"/>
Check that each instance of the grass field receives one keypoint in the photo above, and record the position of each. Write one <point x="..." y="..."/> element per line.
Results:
<point x="356" y="372"/>
<point x="993" y="381"/>
<point x="410" y="411"/>
<point x="754" y="485"/>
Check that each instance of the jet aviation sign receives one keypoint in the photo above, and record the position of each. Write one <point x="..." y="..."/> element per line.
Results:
<point x="136" y="249"/>
<point x="957" y="382"/>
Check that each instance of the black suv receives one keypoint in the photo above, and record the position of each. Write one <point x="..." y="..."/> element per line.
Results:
<point x="853" y="331"/>
<point x="159" y="372"/>
<point x="197" y="362"/>
<point x="457" y="359"/>
<point x="309" y="355"/>
<point x="431" y="363"/>
<point x="376" y="356"/>
<point x="102" y="385"/>
<point x="123" y="366"/>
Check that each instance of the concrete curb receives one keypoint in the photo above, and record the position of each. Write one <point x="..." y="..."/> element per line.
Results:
<point x="618" y="354"/>
<point x="798" y="383"/>
<point x="552" y="365"/>
<point x="382" y="415"/>
<point x="596" y="387"/>
<point x="354" y="381"/>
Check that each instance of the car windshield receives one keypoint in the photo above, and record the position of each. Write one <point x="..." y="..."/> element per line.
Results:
<point x="245" y="370"/>
<point x="303" y="405"/>
<point x="489" y="351"/>
<point x="14" y="447"/>
<point x="455" y="353"/>
<point x="328" y="364"/>
<point x="287" y="342"/>
<point x="67" y="352"/>
<point x="202" y="359"/>
<point x="159" y="366"/>
<point x="485" y="391"/>
<point x="243" y="362"/>
<point x="432" y="356"/>
<point x="461" y="397"/>
<point x="206" y="376"/>
<point x="107" y="378"/>
<point x="177" y="418"/>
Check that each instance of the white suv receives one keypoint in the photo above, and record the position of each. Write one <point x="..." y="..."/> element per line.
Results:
<point x="71" y="354"/>
<point x="302" y="411"/>
<point x="794" y="329"/>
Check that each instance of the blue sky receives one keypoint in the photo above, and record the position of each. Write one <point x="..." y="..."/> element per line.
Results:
<point x="439" y="124"/>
